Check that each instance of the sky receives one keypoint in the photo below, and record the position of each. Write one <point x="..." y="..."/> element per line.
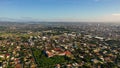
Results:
<point x="61" y="10"/>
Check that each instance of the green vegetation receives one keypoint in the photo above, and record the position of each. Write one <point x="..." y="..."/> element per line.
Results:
<point x="44" y="61"/>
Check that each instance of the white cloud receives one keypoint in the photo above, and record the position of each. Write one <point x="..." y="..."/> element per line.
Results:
<point x="111" y="18"/>
<point x="118" y="14"/>
<point x="105" y="18"/>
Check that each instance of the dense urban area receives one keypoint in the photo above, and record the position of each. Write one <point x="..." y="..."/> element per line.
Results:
<point x="59" y="45"/>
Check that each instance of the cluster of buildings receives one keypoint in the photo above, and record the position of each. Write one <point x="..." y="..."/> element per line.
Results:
<point x="82" y="50"/>
<point x="15" y="53"/>
<point x="78" y="50"/>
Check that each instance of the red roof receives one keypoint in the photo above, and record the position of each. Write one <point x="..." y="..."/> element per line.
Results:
<point x="57" y="49"/>
<point x="18" y="66"/>
<point x="67" y="52"/>
<point x="7" y="54"/>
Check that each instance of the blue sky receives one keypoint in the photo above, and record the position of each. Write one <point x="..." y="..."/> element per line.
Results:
<point x="61" y="10"/>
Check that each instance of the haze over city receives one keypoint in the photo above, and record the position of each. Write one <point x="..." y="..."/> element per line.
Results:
<point x="60" y="10"/>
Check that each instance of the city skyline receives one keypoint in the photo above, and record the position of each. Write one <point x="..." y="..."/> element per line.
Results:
<point x="60" y="10"/>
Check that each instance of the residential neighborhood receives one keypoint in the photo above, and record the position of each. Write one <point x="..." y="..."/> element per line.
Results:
<point x="58" y="49"/>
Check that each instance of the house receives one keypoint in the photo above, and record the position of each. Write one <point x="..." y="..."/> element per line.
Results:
<point x="48" y="53"/>
<point x="2" y="56"/>
<point x="18" y="66"/>
<point x="7" y="55"/>
<point x="58" y="66"/>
